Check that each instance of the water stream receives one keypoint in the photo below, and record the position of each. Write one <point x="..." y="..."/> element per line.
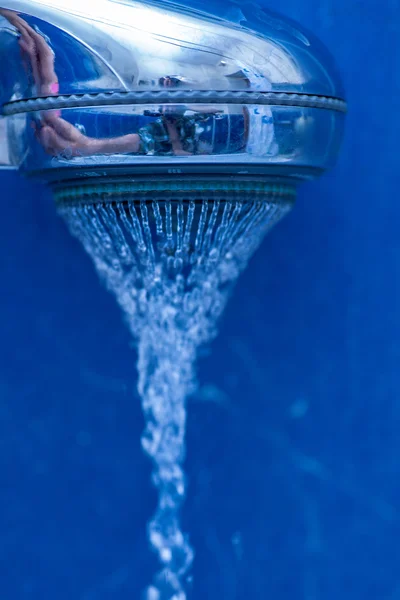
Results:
<point x="171" y="266"/>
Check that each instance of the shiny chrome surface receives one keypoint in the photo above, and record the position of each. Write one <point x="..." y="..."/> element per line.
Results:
<point x="143" y="87"/>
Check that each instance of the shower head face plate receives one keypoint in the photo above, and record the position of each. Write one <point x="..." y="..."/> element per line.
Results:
<point x="163" y="88"/>
<point x="146" y="238"/>
<point x="166" y="190"/>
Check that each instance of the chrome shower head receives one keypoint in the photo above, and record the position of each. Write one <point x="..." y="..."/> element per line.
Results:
<point x="164" y="99"/>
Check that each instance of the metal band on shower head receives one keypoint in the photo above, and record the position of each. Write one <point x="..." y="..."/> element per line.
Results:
<point x="173" y="97"/>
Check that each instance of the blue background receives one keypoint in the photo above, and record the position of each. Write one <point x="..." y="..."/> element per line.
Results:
<point x="293" y="439"/>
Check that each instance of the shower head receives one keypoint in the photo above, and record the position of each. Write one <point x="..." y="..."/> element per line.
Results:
<point x="163" y="98"/>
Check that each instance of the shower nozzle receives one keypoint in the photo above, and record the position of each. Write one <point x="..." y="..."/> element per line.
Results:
<point x="164" y="97"/>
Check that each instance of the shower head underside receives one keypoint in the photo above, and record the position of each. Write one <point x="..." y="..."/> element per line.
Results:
<point x="162" y="99"/>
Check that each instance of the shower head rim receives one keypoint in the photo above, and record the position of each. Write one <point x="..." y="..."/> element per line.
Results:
<point x="65" y="176"/>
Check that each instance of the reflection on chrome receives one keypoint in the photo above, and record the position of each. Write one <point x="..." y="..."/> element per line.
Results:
<point x="158" y="83"/>
<point x="173" y="130"/>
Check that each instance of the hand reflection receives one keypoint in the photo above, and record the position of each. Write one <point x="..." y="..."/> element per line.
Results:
<point x="60" y="138"/>
<point x="173" y="133"/>
<point x="37" y="54"/>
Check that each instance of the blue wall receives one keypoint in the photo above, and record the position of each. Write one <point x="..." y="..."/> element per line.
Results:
<point x="293" y="442"/>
